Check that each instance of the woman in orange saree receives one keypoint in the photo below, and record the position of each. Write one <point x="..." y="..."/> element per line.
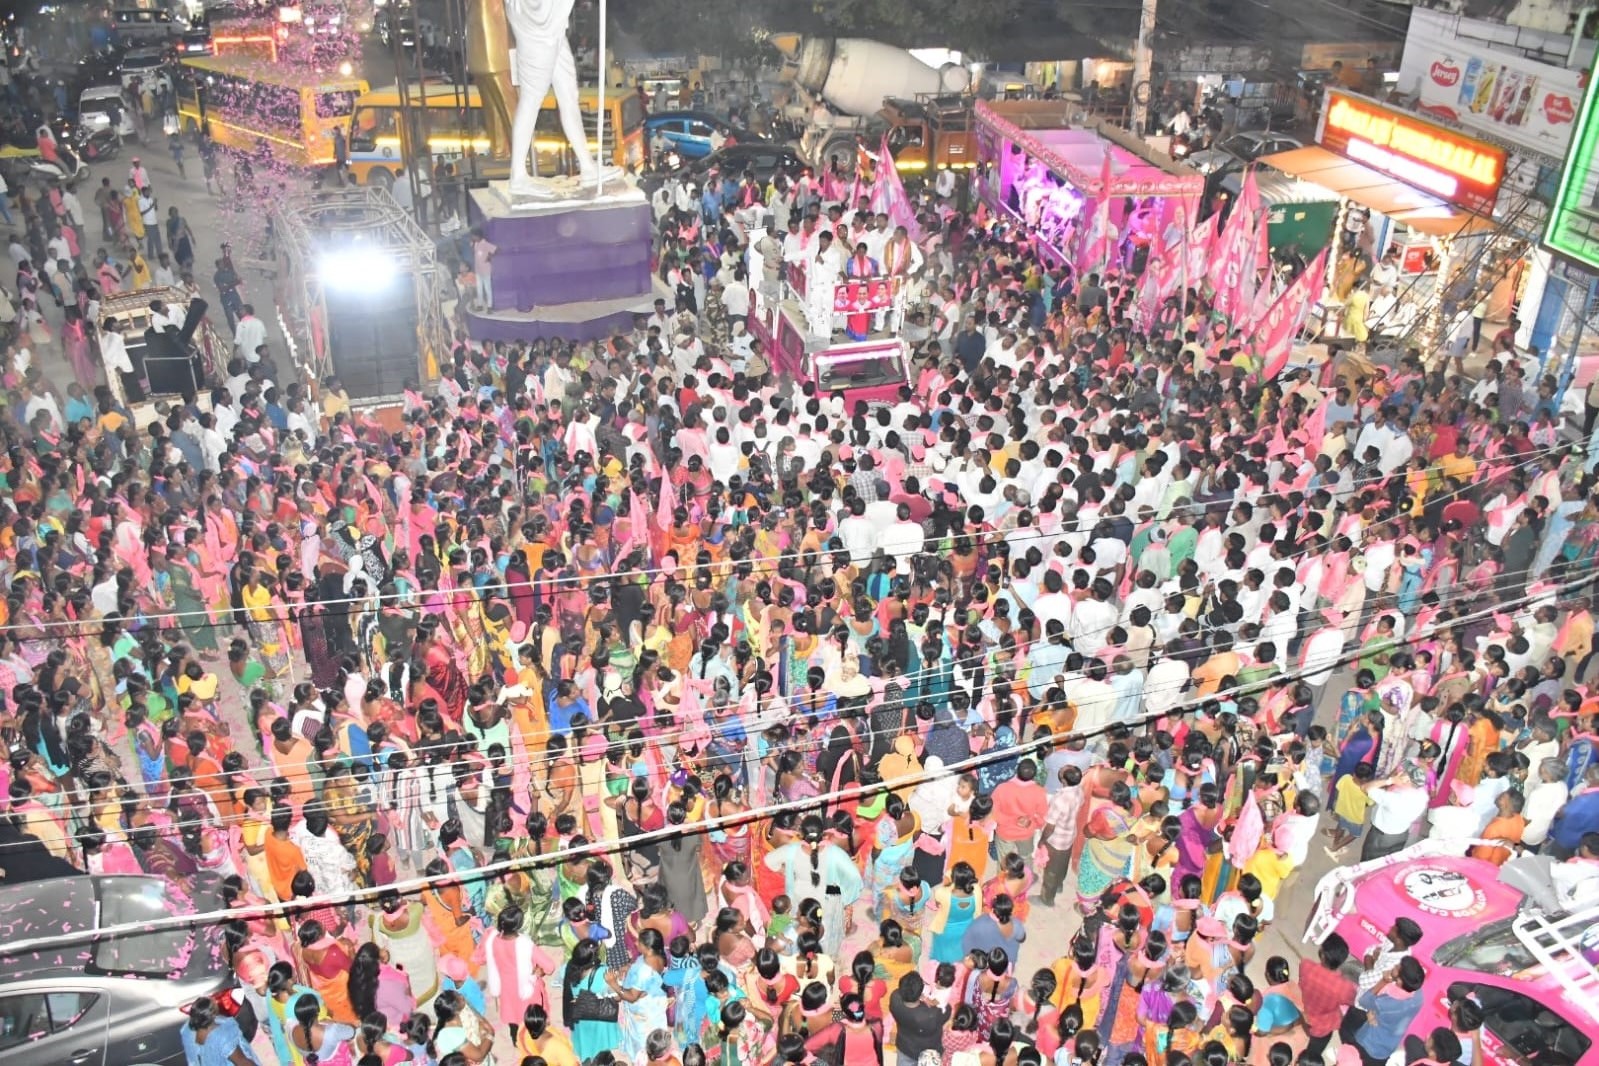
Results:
<point x="326" y="961"/>
<point x="450" y="916"/>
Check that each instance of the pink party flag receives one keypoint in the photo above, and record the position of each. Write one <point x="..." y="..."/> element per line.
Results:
<point x="896" y="204"/>
<point x="1274" y="335"/>
<point x="663" y="514"/>
<point x="1237" y="252"/>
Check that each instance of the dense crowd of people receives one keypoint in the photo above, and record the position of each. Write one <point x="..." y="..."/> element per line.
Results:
<point x="733" y="723"/>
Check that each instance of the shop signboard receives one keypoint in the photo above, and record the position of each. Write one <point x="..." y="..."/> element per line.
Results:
<point x="1455" y="168"/>
<point x="1517" y="101"/>
<point x="1573" y="227"/>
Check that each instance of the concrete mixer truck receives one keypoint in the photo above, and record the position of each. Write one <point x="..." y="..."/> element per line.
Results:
<point x="847" y="91"/>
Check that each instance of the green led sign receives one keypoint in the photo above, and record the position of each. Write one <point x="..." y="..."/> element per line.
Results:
<point x="1573" y="228"/>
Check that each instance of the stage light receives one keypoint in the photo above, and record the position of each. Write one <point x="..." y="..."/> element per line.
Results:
<point x="356" y="269"/>
<point x="346" y="69"/>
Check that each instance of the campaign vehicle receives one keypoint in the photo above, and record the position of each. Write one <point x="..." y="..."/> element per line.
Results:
<point x="843" y="337"/>
<point x="1533" y="972"/>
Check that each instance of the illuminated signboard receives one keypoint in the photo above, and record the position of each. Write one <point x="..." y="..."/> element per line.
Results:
<point x="1451" y="166"/>
<point x="1573" y="228"/>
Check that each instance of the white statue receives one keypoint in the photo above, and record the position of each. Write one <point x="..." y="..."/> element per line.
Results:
<point x="543" y="62"/>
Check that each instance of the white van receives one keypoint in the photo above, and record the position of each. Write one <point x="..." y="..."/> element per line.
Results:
<point x="134" y="26"/>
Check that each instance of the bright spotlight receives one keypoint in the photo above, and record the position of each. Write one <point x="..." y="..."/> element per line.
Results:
<point x="346" y="69"/>
<point x="356" y="269"/>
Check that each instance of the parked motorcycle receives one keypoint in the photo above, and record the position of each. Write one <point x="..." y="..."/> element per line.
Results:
<point x="91" y="146"/>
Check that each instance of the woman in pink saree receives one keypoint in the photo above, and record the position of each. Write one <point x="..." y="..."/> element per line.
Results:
<point x="75" y="339"/>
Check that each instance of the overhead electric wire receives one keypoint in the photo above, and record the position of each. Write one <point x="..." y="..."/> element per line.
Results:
<point x="261" y="776"/>
<point x="413" y="886"/>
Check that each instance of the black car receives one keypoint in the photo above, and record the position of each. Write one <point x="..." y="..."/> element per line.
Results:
<point x="114" y="1001"/>
<point x="735" y="160"/>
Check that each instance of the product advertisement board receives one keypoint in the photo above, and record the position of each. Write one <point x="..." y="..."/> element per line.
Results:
<point x="1518" y="101"/>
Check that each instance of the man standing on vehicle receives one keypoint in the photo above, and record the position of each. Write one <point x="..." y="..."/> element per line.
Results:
<point x="249" y="335"/>
<point x="770" y="249"/>
<point x="227" y="283"/>
<point x="736" y="298"/>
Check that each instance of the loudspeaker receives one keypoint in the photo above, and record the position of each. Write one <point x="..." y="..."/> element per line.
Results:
<point x="191" y="321"/>
<point x="372" y="340"/>
<point x="168" y="365"/>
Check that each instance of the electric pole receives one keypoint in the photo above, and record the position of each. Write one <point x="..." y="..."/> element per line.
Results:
<point x="1143" y="69"/>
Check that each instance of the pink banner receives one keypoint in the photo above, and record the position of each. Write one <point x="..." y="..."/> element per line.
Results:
<point x="1096" y="238"/>
<point x="1274" y="335"/>
<point x="1236" y="255"/>
<point x="1201" y="243"/>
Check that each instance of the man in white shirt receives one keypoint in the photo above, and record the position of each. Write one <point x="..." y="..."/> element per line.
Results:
<point x="1092" y="619"/>
<point x="249" y="335"/>
<point x="1095" y="700"/>
<point x="58" y="250"/>
<point x="736" y="296"/>
<point x="1321" y="652"/>
<point x="1396" y="805"/>
<point x="857" y="533"/>
<point x="35" y="400"/>
<point x="1544" y="801"/>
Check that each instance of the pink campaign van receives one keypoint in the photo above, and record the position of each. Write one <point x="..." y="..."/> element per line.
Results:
<point x="1533" y="973"/>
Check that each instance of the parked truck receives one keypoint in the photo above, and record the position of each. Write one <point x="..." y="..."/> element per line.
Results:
<point x="842" y="94"/>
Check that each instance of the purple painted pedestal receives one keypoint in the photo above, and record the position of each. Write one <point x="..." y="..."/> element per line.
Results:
<point x="575" y="268"/>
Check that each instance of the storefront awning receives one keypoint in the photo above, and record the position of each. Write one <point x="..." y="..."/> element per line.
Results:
<point x="1382" y="194"/>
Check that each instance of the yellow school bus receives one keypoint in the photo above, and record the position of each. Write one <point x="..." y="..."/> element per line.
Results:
<point x="244" y="102"/>
<point x="454" y="123"/>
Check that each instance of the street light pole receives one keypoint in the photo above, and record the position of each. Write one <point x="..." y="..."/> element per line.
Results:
<point x="1143" y="68"/>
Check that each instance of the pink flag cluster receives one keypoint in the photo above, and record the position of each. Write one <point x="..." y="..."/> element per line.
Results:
<point x="888" y="194"/>
<point x="1238" y="263"/>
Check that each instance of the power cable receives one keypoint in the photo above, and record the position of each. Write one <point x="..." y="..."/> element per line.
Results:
<point x="415" y="886"/>
<point x="259" y="774"/>
<point x="535" y="759"/>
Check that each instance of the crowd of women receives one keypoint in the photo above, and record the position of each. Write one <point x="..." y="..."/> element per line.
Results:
<point x="732" y="723"/>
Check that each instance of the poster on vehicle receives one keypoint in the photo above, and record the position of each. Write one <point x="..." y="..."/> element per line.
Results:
<point x="864" y="294"/>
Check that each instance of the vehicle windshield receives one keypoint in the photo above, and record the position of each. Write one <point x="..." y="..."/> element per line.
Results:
<point x="1241" y="145"/>
<point x="161" y="953"/>
<point x="862" y="373"/>
<point x="1493" y="949"/>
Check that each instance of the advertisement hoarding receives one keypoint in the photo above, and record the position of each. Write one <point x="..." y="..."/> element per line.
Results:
<point x="1455" y="168"/>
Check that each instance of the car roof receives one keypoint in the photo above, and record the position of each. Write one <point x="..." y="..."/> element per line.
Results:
<point x="704" y="116"/>
<point x="41" y="909"/>
<point x="101" y="92"/>
<point x="144" y="53"/>
<point x="1445" y="895"/>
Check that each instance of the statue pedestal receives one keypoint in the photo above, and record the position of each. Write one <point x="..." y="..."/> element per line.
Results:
<point x="572" y="266"/>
